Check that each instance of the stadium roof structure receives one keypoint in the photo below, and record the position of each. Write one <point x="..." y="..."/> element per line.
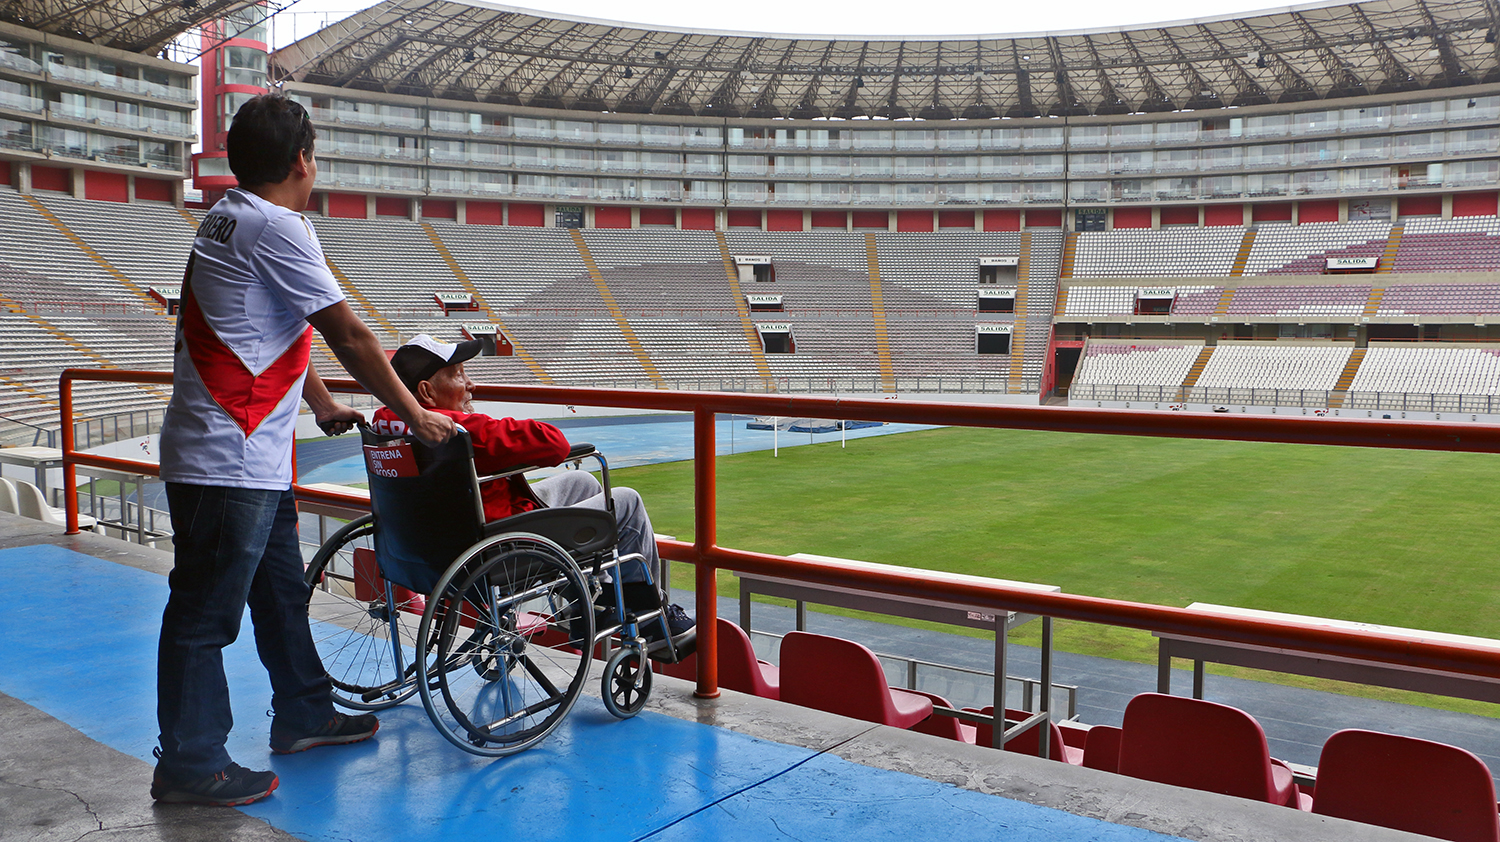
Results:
<point x="137" y="26"/>
<point x="482" y="52"/>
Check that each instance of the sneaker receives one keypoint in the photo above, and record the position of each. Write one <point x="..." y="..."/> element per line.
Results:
<point x="233" y="786"/>
<point x="339" y="730"/>
<point x="678" y="620"/>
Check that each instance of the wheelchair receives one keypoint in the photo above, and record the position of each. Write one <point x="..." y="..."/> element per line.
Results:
<point x="494" y="624"/>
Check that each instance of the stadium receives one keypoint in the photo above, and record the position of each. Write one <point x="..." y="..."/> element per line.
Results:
<point x="1198" y="320"/>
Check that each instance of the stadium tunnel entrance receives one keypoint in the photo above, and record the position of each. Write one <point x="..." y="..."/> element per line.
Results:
<point x="1065" y="358"/>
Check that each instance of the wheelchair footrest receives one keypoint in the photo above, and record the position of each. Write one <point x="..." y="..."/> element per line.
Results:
<point x="685" y="644"/>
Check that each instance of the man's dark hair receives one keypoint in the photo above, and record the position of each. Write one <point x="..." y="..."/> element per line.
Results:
<point x="267" y="135"/>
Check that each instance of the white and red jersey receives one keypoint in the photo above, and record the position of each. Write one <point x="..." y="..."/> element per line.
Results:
<point x="257" y="272"/>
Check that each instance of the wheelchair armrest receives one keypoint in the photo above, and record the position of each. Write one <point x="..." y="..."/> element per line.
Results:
<point x="577" y="451"/>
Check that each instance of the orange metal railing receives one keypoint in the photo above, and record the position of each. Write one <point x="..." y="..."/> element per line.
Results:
<point x="708" y="557"/>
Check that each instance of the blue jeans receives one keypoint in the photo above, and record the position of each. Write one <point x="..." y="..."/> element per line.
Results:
<point x="233" y="546"/>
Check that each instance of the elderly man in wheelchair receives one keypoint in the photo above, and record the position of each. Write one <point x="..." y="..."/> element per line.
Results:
<point x="488" y="595"/>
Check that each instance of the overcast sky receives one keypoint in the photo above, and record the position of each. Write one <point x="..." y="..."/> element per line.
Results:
<point x="872" y="17"/>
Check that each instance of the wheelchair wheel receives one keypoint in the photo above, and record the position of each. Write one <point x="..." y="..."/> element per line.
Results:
<point x="354" y="628"/>
<point x="512" y="627"/>
<point x="627" y="682"/>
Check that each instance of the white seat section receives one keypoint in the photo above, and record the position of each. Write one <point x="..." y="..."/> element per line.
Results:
<point x="1087" y="301"/>
<point x="1275" y="366"/>
<point x="1438" y="371"/>
<point x="1136" y="363"/>
<point x="32" y="503"/>
<point x="1175" y="251"/>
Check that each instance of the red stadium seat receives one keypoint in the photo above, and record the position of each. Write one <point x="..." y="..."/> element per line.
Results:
<point x="1102" y="751"/>
<point x="1407" y="784"/>
<point x="739" y="669"/>
<point x="843" y="677"/>
<point x="1202" y="745"/>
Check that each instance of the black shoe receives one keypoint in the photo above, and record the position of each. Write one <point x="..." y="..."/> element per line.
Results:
<point x="678" y="621"/>
<point x="340" y="730"/>
<point x="231" y="787"/>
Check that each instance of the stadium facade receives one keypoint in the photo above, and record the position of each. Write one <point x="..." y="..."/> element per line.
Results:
<point x="493" y="114"/>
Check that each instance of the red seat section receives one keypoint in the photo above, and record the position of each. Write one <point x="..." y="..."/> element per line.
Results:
<point x="1201" y="745"/>
<point x="739" y="669"/>
<point x="843" y="677"/>
<point x="1407" y="784"/>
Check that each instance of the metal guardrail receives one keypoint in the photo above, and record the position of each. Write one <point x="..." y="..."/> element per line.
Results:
<point x="1441" y="656"/>
<point x="1029" y="686"/>
<point x="1306" y="398"/>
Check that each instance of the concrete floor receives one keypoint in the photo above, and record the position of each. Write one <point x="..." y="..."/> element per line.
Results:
<point x="76" y="727"/>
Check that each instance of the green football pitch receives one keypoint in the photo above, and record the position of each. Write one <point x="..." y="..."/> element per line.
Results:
<point x="1399" y="538"/>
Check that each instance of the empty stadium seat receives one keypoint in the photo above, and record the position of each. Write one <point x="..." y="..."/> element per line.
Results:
<point x="844" y="677"/>
<point x="1407" y="784"/>
<point x="1202" y="745"/>
<point x="9" y="502"/>
<point x="32" y="503"/>
<point x="739" y="669"/>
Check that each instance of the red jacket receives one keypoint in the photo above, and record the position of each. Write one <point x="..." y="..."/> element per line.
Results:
<point x="500" y="444"/>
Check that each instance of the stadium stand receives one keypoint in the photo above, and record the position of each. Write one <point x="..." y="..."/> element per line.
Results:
<point x="1275" y="366"/>
<point x="1439" y="299"/>
<point x="1344" y="301"/>
<point x="1197" y="301"/>
<point x="1087" y="301"/>
<point x="1431" y="244"/>
<point x="61" y="271"/>
<point x="147" y="242"/>
<point x="1175" y="251"/>
<point x="1303" y="249"/>
<point x="1390" y="367"/>
<point x="1121" y="362"/>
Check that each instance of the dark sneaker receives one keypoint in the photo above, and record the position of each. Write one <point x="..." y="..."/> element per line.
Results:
<point x="232" y="787"/>
<point x="339" y="730"/>
<point x="678" y="622"/>
<point x="677" y="619"/>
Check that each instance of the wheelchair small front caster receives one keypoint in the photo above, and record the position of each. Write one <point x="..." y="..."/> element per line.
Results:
<point x="627" y="682"/>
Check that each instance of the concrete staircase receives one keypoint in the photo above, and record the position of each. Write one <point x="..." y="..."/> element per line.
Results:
<point x="877" y="306"/>
<point x="1346" y="379"/>
<point x="626" y="330"/>
<point x="1194" y="372"/>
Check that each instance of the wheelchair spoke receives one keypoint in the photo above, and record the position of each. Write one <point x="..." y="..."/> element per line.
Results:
<point x="510" y="664"/>
<point x="368" y="646"/>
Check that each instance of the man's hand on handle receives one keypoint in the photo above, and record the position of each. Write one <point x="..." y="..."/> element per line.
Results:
<point x="431" y="428"/>
<point x="338" y="419"/>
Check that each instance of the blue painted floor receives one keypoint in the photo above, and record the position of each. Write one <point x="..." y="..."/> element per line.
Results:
<point x="81" y="647"/>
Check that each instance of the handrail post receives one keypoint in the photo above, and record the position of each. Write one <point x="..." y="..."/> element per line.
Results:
<point x="705" y="538"/>
<point x="70" y="471"/>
